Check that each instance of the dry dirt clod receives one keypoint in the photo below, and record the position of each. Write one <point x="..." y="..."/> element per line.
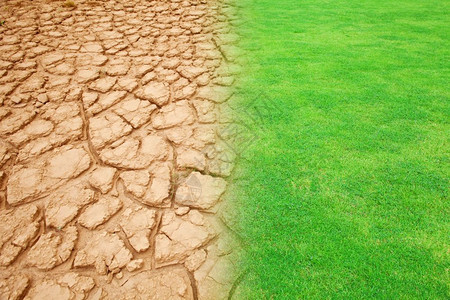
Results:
<point x="14" y="286"/>
<point x="21" y="225"/>
<point x="64" y="205"/>
<point x="100" y="212"/>
<point x="102" y="178"/>
<point x="171" y="283"/>
<point x="49" y="290"/>
<point x="52" y="249"/>
<point x="137" y="224"/>
<point x="104" y="251"/>
<point x="180" y="236"/>
<point x="200" y="191"/>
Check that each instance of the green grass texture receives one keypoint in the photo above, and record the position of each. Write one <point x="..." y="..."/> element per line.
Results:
<point x="344" y="187"/>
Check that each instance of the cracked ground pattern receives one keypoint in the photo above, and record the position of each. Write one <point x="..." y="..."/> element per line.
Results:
<point x="111" y="165"/>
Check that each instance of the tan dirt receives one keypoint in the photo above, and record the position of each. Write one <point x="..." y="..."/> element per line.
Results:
<point x="112" y="171"/>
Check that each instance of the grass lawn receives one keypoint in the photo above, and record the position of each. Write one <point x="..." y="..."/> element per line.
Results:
<point x="345" y="191"/>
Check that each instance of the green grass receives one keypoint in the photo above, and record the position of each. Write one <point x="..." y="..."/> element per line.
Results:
<point x="344" y="195"/>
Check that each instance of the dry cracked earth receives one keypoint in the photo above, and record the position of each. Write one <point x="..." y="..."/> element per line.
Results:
<point x="112" y="168"/>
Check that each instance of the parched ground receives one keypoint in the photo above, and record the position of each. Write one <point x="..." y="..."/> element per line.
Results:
<point x="111" y="166"/>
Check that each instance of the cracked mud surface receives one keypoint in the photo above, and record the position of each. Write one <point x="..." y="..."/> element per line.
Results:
<point x="112" y="172"/>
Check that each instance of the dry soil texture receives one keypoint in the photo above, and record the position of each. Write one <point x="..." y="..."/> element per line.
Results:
<point x="112" y="171"/>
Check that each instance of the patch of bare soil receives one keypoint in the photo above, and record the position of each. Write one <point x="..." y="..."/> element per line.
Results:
<point x="112" y="171"/>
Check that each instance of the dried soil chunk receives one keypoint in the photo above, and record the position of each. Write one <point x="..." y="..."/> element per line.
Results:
<point x="67" y="125"/>
<point x="64" y="205"/>
<point x="191" y="158"/>
<point x="24" y="183"/>
<point x="106" y="128"/>
<point x="135" y="111"/>
<point x="103" y="85"/>
<point x="137" y="224"/>
<point x="159" y="189"/>
<point x="181" y="236"/>
<point x="191" y="72"/>
<point x="216" y="275"/>
<point x="118" y="70"/>
<point x="135" y="264"/>
<point x="35" y="129"/>
<point x="155" y="92"/>
<point x="67" y="163"/>
<point x="87" y="75"/>
<point x="9" y="254"/>
<point x="52" y="58"/>
<point x="200" y="191"/>
<point x="5" y="153"/>
<point x="127" y="84"/>
<point x="28" y="181"/>
<point x="136" y="182"/>
<point x="92" y="47"/>
<point x="104" y="251"/>
<point x="142" y="70"/>
<point x="16" y="120"/>
<point x="52" y="249"/>
<point x="102" y="178"/>
<point x="100" y="212"/>
<point x="80" y="285"/>
<point x="133" y="153"/>
<point x="174" y="114"/>
<point x="194" y="261"/>
<point x="205" y="111"/>
<point x="19" y="227"/>
<point x="216" y="93"/>
<point x="106" y="101"/>
<point x="13" y="287"/>
<point x="171" y="284"/>
<point x="49" y="290"/>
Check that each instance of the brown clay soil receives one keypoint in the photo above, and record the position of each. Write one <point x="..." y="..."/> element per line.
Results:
<point x="111" y="173"/>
